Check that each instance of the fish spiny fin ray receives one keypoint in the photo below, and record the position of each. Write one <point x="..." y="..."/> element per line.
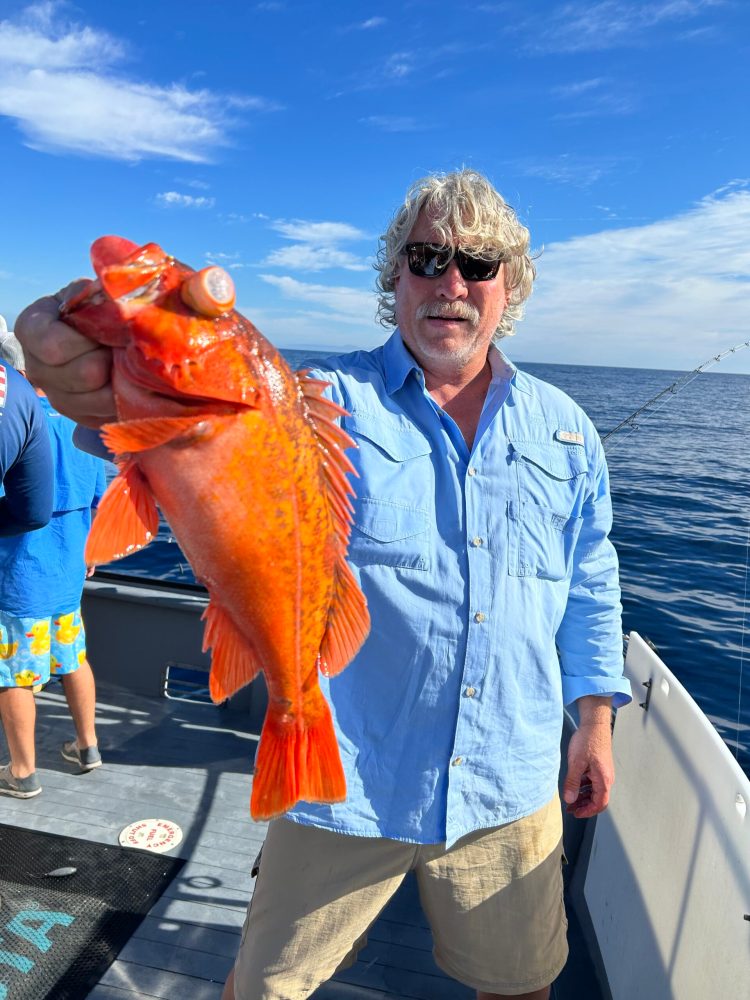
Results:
<point x="296" y="762"/>
<point x="348" y="619"/>
<point x="234" y="663"/>
<point x="126" y="520"/>
<point x="348" y="623"/>
<point x="148" y="432"/>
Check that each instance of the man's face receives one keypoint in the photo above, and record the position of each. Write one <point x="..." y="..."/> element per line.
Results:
<point x="446" y="318"/>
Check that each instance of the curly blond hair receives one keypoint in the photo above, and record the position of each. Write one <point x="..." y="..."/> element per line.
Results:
<point x="467" y="211"/>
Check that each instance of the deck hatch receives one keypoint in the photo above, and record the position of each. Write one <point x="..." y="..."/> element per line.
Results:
<point x="186" y="682"/>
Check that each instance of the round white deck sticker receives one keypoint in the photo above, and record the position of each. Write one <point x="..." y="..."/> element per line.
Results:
<point x="157" y="835"/>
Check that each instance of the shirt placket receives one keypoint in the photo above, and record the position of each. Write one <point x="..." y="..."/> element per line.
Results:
<point x="480" y="612"/>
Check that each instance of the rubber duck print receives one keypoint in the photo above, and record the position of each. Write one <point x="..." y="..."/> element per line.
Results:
<point x="8" y="649"/>
<point x="27" y="678"/>
<point x="67" y="631"/>
<point x="40" y="638"/>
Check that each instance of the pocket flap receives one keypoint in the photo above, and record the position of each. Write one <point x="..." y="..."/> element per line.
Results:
<point x="561" y="461"/>
<point x="386" y="521"/>
<point x="398" y="440"/>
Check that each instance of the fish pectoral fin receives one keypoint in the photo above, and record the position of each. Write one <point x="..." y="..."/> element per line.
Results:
<point x="234" y="663"/>
<point x="132" y="436"/>
<point x="126" y="519"/>
<point x="348" y="622"/>
<point x="296" y="759"/>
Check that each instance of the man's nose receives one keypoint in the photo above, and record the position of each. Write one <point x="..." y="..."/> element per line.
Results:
<point x="451" y="283"/>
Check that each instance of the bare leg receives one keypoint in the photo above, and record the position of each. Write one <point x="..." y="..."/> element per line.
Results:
<point x="542" y="994"/>
<point x="18" y="714"/>
<point x="80" y="694"/>
<point x="228" y="993"/>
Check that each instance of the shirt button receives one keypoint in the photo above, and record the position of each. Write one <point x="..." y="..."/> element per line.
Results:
<point x="472" y="471"/>
<point x="476" y="541"/>
<point x="470" y="692"/>
<point x="456" y="761"/>
<point x="480" y="616"/>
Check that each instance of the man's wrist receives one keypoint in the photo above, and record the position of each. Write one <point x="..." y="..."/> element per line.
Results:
<point x="594" y="710"/>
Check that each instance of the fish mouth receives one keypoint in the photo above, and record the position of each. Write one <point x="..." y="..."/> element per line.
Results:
<point x="145" y="294"/>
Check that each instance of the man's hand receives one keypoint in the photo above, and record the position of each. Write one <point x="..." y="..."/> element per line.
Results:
<point x="71" y="369"/>
<point x="591" y="771"/>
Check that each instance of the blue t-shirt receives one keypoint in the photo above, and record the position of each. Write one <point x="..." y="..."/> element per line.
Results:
<point x="493" y="594"/>
<point x="42" y="572"/>
<point x="25" y="457"/>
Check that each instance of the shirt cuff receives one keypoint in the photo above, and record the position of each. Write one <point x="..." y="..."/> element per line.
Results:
<point x="616" y="688"/>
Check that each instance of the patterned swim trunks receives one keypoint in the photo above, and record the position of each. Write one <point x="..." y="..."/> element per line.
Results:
<point x="31" y="649"/>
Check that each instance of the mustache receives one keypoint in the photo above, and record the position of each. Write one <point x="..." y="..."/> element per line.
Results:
<point x="448" y="310"/>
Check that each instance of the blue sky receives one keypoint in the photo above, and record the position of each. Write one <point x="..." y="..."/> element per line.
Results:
<point x="277" y="138"/>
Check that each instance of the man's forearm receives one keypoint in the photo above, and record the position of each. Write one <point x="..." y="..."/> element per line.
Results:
<point x="594" y="710"/>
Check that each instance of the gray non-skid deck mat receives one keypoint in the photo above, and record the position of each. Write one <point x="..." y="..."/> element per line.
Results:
<point x="60" y="932"/>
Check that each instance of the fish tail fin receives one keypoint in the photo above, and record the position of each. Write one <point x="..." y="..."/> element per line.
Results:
<point x="295" y="762"/>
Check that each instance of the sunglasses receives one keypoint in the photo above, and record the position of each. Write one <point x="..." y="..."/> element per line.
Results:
<point x="429" y="261"/>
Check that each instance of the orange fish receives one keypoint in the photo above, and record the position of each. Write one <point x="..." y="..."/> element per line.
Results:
<point x="246" y="460"/>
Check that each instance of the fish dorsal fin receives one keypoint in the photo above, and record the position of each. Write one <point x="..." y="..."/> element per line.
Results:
<point x="126" y="520"/>
<point x="149" y="432"/>
<point x="234" y="663"/>
<point x="348" y="619"/>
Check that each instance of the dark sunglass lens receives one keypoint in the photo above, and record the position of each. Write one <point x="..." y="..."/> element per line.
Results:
<point x="475" y="268"/>
<point x="427" y="261"/>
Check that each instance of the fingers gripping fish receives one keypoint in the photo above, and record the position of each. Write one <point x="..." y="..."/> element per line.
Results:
<point x="246" y="460"/>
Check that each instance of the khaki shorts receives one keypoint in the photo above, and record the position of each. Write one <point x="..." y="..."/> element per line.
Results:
<point x="493" y="901"/>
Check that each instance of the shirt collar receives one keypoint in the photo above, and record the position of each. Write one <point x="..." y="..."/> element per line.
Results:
<point x="503" y="370"/>
<point x="399" y="363"/>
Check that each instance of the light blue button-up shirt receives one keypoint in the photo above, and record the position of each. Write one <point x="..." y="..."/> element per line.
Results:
<point x="493" y="593"/>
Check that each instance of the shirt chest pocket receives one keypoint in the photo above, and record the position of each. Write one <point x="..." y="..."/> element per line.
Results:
<point x="543" y="523"/>
<point x="391" y="508"/>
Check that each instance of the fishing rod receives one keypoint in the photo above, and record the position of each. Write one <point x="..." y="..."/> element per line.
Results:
<point x="666" y="394"/>
<point x="653" y="406"/>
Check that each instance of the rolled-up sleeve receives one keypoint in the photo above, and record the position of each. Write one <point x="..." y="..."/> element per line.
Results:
<point x="589" y="639"/>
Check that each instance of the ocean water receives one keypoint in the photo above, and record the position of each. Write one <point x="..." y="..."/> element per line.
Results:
<point x="680" y="488"/>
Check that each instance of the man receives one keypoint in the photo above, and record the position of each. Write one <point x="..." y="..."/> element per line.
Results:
<point x="25" y="457"/>
<point x="41" y="581"/>
<point x="480" y="541"/>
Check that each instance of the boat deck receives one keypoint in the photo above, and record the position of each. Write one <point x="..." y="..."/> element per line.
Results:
<point x="191" y="763"/>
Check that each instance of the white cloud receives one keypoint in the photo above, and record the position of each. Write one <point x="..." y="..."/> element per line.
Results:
<point x="173" y="199"/>
<point x="664" y="295"/>
<point x="580" y="171"/>
<point x="315" y="246"/>
<point x="367" y="25"/>
<point x="317" y="232"/>
<point x="339" y="303"/>
<point x="399" y="65"/>
<point x="304" y="257"/>
<point x="582" y="26"/>
<point x="58" y="81"/>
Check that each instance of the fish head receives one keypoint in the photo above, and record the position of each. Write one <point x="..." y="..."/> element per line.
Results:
<point x="146" y="297"/>
<point x="171" y="326"/>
